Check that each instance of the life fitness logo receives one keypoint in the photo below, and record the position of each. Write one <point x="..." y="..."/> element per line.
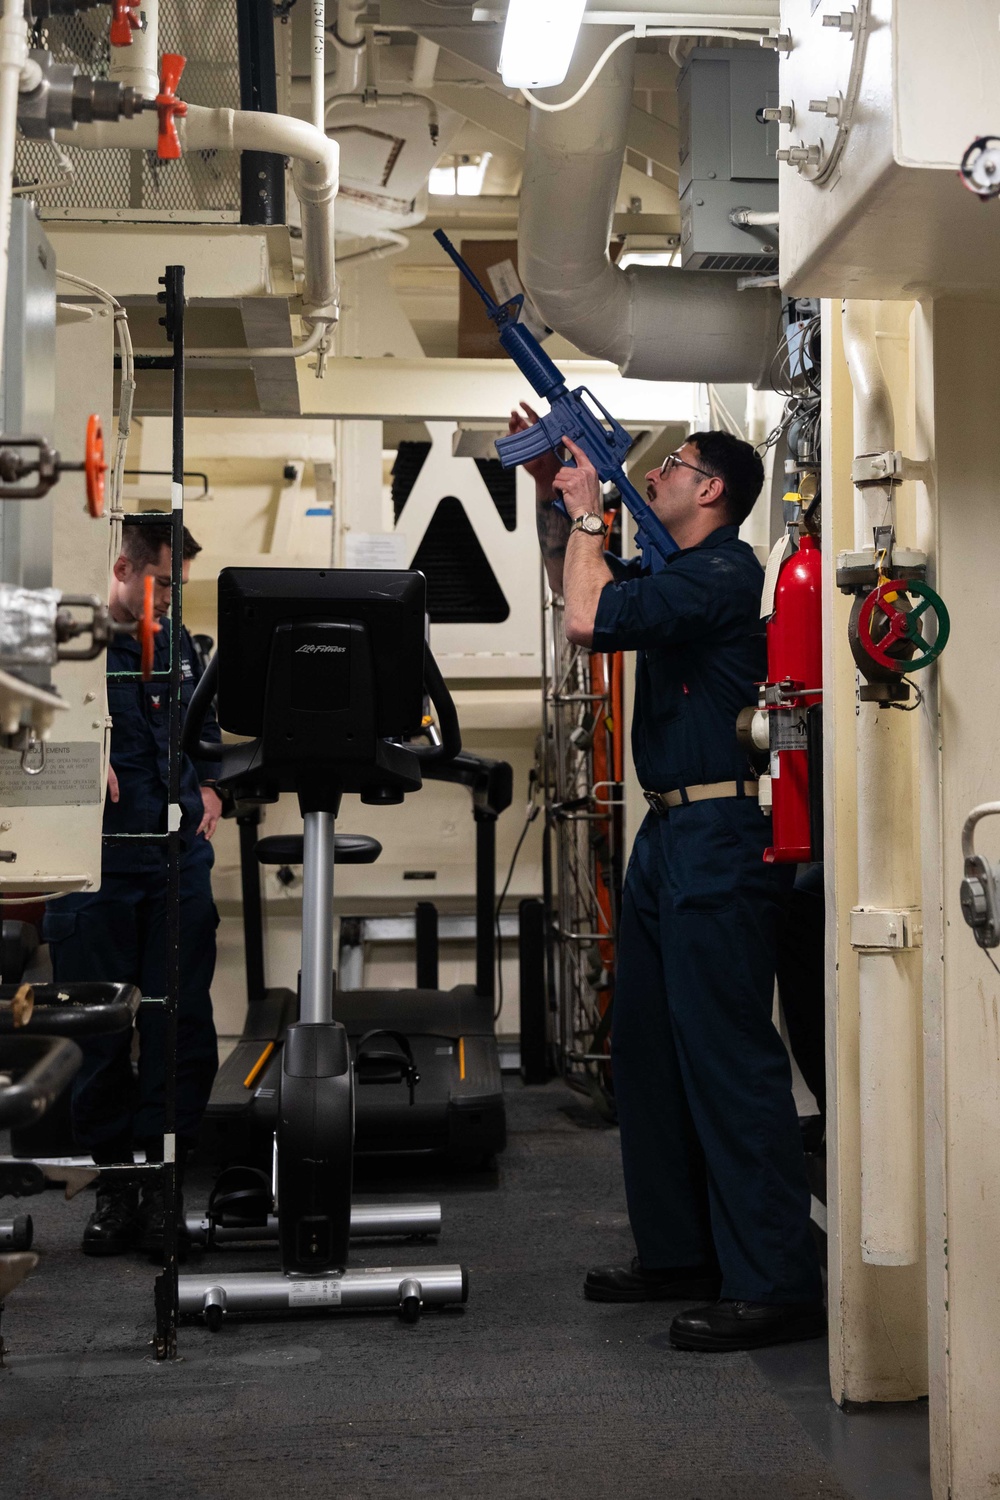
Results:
<point x="321" y="650"/>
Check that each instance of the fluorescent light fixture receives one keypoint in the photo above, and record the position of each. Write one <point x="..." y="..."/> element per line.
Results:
<point x="462" y="175"/>
<point x="538" y="41"/>
<point x="647" y="258"/>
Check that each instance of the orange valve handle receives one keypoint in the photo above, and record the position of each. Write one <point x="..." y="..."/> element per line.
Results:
<point x="94" y="465"/>
<point x="147" y="630"/>
<point x="168" y="146"/>
<point x="124" y="20"/>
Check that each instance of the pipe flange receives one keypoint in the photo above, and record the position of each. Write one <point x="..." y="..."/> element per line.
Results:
<point x="857" y="572"/>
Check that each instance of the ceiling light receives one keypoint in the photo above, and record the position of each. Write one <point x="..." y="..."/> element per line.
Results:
<point x="647" y="258"/>
<point x="538" y="41"/>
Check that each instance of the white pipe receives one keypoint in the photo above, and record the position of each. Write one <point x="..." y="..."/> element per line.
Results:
<point x="350" y="28"/>
<point x="318" y="64"/>
<point x="315" y="176"/>
<point x="888" y="880"/>
<point x="392" y="244"/>
<point x="13" y="56"/>
<point x="747" y="218"/>
<point x="348" y="38"/>
<point x="425" y="59"/>
<point x="317" y="334"/>
<point x="619" y="41"/>
<point x="138" y="65"/>
<point x="655" y="322"/>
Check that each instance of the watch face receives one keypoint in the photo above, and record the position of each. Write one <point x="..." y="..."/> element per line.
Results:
<point x="590" y="523"/>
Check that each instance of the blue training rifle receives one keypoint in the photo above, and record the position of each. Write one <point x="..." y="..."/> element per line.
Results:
<point x="569" y="415"/>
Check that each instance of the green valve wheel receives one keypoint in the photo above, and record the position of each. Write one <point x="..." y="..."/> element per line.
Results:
<point x="886" y="628"/>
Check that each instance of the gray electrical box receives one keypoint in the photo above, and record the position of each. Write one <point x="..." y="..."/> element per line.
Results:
<point x="727" y="159"/>
<point x="28" y="392"/>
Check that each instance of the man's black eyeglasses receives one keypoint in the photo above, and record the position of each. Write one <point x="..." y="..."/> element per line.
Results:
<point x="674" y="461"/>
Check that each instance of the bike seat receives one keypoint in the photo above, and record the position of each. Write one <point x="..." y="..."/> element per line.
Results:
<point x="349" y="849"/>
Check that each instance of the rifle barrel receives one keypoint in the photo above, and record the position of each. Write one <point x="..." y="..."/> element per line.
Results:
<point x="466" y="270"/>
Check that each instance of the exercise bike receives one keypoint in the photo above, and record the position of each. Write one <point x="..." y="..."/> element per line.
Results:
<point x="326" y="671"/>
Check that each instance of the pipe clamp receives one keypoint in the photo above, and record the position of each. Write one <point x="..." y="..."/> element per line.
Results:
<point x="876" y="930"/>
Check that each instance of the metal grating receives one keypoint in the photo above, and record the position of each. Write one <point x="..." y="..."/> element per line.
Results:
<point x="762" y="265"/>
<point x="136" y="182"/>
<point x="461" y="586"/>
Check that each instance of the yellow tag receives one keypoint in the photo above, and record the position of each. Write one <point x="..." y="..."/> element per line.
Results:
<point x="890" y="598"/>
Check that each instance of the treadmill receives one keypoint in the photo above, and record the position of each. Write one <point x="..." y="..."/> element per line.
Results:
<point x="457" y="1107"/>
<point x="426" y="1060"/>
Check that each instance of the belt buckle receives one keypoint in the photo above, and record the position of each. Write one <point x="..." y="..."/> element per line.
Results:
<point x="656" y="802"/>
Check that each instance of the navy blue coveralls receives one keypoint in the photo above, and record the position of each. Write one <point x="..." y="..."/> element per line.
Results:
<point x="119" y="932"/>
<point x="711" y="1149"/>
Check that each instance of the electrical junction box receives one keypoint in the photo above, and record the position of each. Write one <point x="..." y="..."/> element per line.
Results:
<point x="727" y="158"/>
<point x="27" y="399"/>
<point x="879" y="106"/>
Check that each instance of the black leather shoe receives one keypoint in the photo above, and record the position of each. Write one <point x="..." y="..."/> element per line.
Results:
<point x="112" y="1228"/>
<point x="635" y="1284"/>
<point x="152" y="1216"/>
<point x="726" y="1326"/>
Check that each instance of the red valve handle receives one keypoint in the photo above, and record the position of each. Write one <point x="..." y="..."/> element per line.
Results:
<point x="148" y="629"/>
<point x="168" y="146"/>
<point x="94" y="465"/>
<point x="125" y="19"/>
<point x="902" y="628"/>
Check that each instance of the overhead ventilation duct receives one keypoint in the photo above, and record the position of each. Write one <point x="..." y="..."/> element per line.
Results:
<point x="654" y="322"/>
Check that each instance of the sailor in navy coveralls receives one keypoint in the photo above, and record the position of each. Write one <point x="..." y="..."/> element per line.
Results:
<point x="119" y="932"/>
<point x="711" y="1149"/>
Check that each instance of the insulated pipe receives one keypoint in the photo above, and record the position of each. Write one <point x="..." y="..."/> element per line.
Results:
<point x="654" y="322"/>
<point x="13" y="56"/>
<point x="138" y="65"/>
<point x="425" y="58"/>
<point x="889" y="981"/>
<point x="315" y="174"/>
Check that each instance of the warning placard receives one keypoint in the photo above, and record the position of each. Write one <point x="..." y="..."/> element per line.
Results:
<point x="314" y="1292"/>
<point x="70" y="776"/>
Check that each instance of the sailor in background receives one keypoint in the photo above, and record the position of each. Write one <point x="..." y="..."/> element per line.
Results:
<point x="119" y="932"/>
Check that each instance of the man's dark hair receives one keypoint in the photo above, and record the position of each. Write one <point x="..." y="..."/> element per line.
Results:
<point x="739" y="467"/>
<point x="142" y="544"/>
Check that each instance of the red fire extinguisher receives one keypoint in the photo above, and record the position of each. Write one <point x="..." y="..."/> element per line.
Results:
<point x="792" y="698"/>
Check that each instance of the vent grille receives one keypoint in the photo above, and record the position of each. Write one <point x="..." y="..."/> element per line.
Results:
<point x="137" y="182"/>
<point x="760" y="265"/>
<point x="410" y="459"/>
<point x="502" y="485"/>
<point x="461" y="586"/>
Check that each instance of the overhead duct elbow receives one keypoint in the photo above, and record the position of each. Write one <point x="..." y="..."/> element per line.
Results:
<point x="654" y="322"/>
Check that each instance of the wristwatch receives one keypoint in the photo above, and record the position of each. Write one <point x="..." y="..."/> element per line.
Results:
<point x="591" y="523"/>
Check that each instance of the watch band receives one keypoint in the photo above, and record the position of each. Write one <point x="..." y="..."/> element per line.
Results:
<point x="591" y="515"/>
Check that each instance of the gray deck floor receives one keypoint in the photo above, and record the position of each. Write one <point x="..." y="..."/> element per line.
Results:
<point x="529" y="1392"/>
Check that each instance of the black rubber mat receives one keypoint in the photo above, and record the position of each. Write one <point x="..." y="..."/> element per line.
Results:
<point x="529" y="1392"/>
